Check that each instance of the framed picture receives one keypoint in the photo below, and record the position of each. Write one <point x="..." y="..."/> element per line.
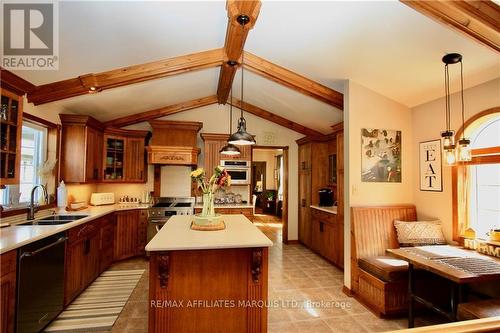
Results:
<point x="430" y="166"/>
<point x="381" y="155"/>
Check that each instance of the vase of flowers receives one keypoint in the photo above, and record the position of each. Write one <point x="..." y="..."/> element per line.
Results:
<point x="219" y="179"/>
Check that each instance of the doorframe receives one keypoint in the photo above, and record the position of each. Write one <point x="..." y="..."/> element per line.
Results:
<point x="284" y="215"/>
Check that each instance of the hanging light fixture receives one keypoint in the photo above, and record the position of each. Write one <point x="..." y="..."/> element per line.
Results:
<point x="230" y="149"/>
<point x="241" y="137"/>
<point x="448" y="134"/>
<point x="464" y="151"/>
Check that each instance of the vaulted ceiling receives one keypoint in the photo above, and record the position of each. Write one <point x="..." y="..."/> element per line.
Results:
<point x="385" y="46"/>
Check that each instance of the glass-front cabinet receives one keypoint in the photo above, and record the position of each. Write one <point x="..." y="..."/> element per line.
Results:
<point x="114" y="158"/>
<point x="10" y="137"/>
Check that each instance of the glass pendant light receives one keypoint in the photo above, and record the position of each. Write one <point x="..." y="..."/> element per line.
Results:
<point x="448" y="135"/>
<point x="241" y="137"/>
<point x="230" y="149"/>
<point x="464" y="151"/>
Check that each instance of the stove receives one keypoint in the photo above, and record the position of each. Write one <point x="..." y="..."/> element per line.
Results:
<point x="165" y="207"/>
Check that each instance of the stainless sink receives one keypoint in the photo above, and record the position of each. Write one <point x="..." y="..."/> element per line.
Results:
<point x="55" y="220"/>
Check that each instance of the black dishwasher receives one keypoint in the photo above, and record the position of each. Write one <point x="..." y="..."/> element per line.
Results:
<point x="40" y="283"/>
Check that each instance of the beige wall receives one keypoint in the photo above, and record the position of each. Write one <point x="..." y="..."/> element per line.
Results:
<point x="428" y="122"/>
<point x="365" y="108"/>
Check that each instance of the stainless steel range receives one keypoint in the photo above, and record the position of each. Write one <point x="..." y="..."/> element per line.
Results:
<point x="165" y="207"/>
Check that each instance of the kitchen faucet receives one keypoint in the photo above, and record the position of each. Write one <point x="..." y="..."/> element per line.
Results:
<point x="32" y="208"/>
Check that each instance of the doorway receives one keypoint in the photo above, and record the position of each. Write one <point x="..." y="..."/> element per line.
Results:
<point x="269" y="188"/>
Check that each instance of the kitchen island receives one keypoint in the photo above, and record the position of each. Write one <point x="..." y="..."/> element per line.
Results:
<point x="208" y="281"/>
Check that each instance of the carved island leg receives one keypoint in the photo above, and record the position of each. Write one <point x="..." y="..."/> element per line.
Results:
<point x="159" y="269"/>
<point x="257" y="290"/>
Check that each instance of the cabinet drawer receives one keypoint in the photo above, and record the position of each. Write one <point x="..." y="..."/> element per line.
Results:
<point x="83" y="231"/>
<point x="8" y="262"/>
<point x="323" y="216"/>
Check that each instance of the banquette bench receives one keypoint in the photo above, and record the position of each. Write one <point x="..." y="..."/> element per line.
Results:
<point x="378" y="280"/>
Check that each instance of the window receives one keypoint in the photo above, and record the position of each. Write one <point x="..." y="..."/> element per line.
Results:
<point x="33" y="156"/>
<point x="477" y="183"/>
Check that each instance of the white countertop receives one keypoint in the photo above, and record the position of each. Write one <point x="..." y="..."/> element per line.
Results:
<point x="236" y="206"/>
<point x="176" y="234"/>
<point x="15" y="236"/>
<point x="331" y="209"/>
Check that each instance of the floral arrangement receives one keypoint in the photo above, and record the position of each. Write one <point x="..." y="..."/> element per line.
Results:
<point x="219" y="179"/>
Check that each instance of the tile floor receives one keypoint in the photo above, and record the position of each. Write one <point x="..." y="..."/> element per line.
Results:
<point x="307" y="289"/>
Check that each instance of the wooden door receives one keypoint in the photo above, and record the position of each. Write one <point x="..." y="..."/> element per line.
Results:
<point x="304" y="209"/>
<point x="94" y="146"/>
<point x="74" y="266"/>
<point x="339" y="243"/>
<point x="126" y="238"/>
<point x="134" y="160"/>
<point x="8" y="291"/>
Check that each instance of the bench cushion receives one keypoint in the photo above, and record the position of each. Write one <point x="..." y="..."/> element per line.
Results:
<point x="479" y="309"/>
<point x="385" y="268"/>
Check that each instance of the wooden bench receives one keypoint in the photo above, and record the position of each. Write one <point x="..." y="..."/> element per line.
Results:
<point x="379" y="281"/>
<point x="479" y="309"/>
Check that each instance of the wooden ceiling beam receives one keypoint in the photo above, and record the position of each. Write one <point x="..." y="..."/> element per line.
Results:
<point x="235" y="42"/>
<point x="479" y="20"/>
<point x="293" y="80"/>
<point x="124" y="76"/>
<point x="274" y="118"/>
<point x="14" y="83"/>
<point x="161" y="112"/>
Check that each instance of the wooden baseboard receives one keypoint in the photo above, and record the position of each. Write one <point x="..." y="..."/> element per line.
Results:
<point x="292" y="242"/>
<point x="347" y="291"/>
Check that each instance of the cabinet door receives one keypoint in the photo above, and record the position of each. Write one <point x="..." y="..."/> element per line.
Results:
<point x="126" y="238"/>
<point x="316" y="235"/>
<point x="91" y="247"/>
<point x="304" y="209"/>
<point x="142" y="231"/>
<point x="305" y="157"/>
<point x="134" y="160"/>
<point x="329" y="242"/>
<point x="212" y="156"/>
<point x="11" y="113"/>
<point x="8" y="297"/>
<point x="339" y="243"/>
<point x="107" y="242"/>
<point x="94" y="145"/>
<point x="74" y="266"/>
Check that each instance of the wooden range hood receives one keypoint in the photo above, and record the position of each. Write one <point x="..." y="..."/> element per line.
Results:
<point x="174" y="142"/>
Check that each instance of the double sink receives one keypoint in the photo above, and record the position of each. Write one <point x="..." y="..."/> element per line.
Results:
<point x="55" y="220"/>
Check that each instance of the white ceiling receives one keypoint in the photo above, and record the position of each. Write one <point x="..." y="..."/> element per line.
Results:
<point x="385" y="46"/>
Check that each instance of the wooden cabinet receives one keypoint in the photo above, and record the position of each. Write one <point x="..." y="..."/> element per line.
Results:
<point x="107" y="242"/>
<point x="305" y="193"/>
<point x="212" y="156"/>
<point x="130" y="233"/>
<point x="11" y="115"/>
<point x="81" y="149"/>
<point x="327" y="236"/>
<point x="124" y="156"/>
<point x="340" y="178"/>
<point x="8" y="291"/>
<point x="82" y="258"/>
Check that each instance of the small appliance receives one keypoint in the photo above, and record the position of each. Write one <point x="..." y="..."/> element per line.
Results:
<point x="239" y="171"/>
<point x="98" y="199"/>
<point x="325" y="197"/>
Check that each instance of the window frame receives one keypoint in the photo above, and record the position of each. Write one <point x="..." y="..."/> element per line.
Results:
<point x="51" y="128"/>
<point x="489" y="155"/>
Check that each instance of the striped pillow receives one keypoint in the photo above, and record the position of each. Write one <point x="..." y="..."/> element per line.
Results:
<point x="419" y="233"/>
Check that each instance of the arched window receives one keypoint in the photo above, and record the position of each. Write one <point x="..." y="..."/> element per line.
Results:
<point x="476" y="184"/>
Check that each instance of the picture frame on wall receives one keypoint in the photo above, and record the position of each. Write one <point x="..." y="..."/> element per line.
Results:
<point x="381" y="155"/>
<point x="431" y="167"/>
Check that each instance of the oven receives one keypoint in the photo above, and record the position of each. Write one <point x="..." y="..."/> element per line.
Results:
<point x="165" y="207"/>
<point x="239" y="171"/>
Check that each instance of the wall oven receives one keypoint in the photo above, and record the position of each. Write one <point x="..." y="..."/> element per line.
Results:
<point x="239" y="171"/>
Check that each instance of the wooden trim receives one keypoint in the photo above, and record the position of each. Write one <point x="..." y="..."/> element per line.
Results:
<point x="486" y="151"/>
<point x="161" y="112"/>
<point x="126" y="75"/>
<point x="285" y="207"/>
<point x="454" y="206"/>
<point x="274" y="118"/>
<point x="82" y="120"/>
<point x="235" y="42"/>
<point x="157" y="180"/>
<point x="347" y="291"/>
<point x="483" y="325"/>
<point x="475" y="117"/>
<point x="292" y="242"/>
<point x="14" y="83"/>
<point x="293" y="80"/>
<point x="40" y="121"/>
<point x="479" y="20"/>
<point x="337" y="127"/>
<point x="125" y="133"/>
<point x="269" y="147"/>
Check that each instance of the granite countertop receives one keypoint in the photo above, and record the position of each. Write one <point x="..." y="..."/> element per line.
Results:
<point x="327" y="209"/>
<point x="16" y="235"/>
<point x="176" y="234"/>
<point x="235" y="205"/>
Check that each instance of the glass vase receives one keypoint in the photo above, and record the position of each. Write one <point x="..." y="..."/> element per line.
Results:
<point x="208" y="205"/>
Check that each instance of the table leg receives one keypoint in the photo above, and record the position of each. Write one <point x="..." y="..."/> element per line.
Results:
<point x="454" y="300"/>
<point x="411" y="291"/>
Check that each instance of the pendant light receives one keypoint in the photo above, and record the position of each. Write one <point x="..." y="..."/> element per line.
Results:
<point x="241" y="137"/>
<point x="230" y="149"/>
<point x="464" y="151"/>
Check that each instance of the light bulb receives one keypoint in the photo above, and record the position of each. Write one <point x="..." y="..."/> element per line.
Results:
<point x="450" y="156"/>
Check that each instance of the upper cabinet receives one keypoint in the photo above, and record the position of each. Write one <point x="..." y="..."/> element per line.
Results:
<point x="90" y="153"/>
<point x="212" y="156"/>
<point x="11" y="124"/>
<point x="81" y="149"/>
